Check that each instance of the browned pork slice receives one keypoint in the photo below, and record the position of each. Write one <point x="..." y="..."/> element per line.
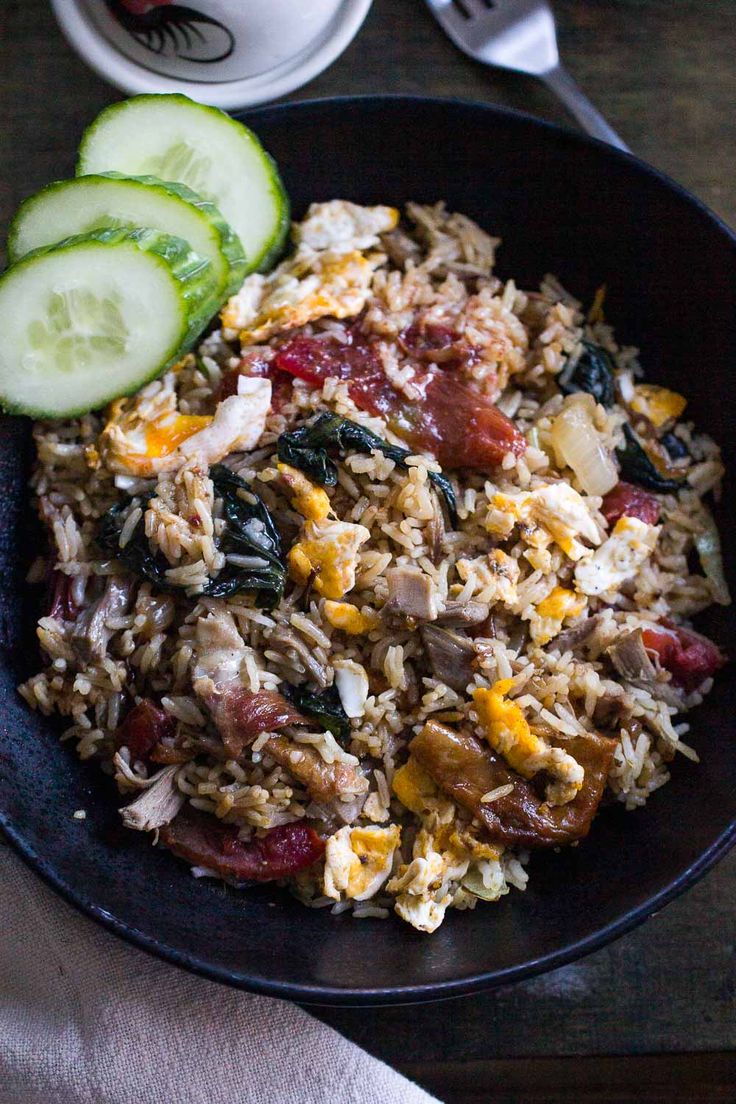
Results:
<point x="466" y="770"/>
<point x="241" y="715"/>
<point x="324" y="781"/>
<point x="461" y="614"/>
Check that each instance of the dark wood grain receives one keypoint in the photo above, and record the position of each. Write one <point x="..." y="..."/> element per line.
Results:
<point x="665" y="995"/>
<point x="669" y="986"/>
<point x="655" y="1079"/>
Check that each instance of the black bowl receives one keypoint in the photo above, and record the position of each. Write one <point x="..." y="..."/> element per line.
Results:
<point x="564" y="204"/>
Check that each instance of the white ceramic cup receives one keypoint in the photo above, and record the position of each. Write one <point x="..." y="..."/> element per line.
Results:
<point x="229" y="53"/>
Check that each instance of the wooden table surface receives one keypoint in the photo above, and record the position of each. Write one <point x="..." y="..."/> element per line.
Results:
<point x="663" y="73"/>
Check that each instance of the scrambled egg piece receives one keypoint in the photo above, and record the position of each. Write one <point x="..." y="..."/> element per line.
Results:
<point x="539" y="558"/>
<point x="424" y="887"/>
<point x="551" y="613"/>
<point x="507" y="729"/>
<point x="658" y="404"/>
<point x="412" y="785"/>
<point x="329" y="274"/>
<point x="343" y="226"/>
<point x="462" y="840"/>
<point x="352" y="686"/>
<point x="329" y="551"/>
<point x="299" y="291"/>
<point x="442" y="853"/>
<point x="312" y="502"/>
<point x="508" y="733"/>
<point x="619" y="558"/>
<point x="146" y="435"/>
<point x="496" y="574"/>
<point x="553" y="512"/>
<point x="358" y="861"/>
<point x="341" y="615"/>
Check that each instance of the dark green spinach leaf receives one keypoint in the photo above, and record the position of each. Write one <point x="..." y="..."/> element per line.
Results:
<point x="137" y="555"/>
<point x="308" y="449"/>
<point x="249" y="531"/>
<point x="326" y="708"/>
<point x="592" y="373"/>
<point x="636" y="467"/>
<point x="676" y="447"/>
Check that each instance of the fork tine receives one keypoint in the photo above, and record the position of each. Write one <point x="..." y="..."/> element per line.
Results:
<point x="450" y="15"/>
<point x="477" y="7"/>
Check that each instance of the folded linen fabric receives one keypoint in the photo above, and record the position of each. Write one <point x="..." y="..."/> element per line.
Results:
<point x="86" y="1019"/>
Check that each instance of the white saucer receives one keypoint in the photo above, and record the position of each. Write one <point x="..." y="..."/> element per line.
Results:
<point x="128" y="75"/>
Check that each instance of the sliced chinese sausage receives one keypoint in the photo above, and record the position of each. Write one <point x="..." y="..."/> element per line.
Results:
<point x="627" y="500"/>
<point x="280" y="853"/>
<point x="466" y="770"/>
<point x="143" y="729"/>
<point x="689" y="656"/>
<point x="448" y="418"/>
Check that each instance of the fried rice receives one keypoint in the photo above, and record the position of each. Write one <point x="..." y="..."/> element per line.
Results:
<point x="420" y="679"/>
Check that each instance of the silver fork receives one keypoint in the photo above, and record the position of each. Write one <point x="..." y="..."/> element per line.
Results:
<point x="520" y="35"/>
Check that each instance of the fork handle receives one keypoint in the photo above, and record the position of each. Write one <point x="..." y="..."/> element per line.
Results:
<point x="561" y="83"/>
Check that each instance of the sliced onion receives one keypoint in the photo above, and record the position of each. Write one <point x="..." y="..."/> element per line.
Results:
<point x="626" y="386"/>
<point x="578" y="445"/>
<point x="352" y="686"/>
<point x="708" y="544"/>
<point x="473" y="882"/>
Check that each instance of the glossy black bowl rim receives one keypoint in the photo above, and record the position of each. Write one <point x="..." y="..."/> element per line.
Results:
<point x="412" y="994"/>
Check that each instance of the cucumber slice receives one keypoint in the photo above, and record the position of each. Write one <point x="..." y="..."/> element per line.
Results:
<point x="97" y="316"/>
<point x="174" y="138"/>
<point x="71" y="207"/>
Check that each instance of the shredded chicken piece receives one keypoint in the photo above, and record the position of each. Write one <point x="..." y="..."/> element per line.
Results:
<point x="450" y="655"/>
<point x="629" y="656"/>
<point x="91" y="633"/>
<point x="156" y="806"/>
<point x="461" y="614"/>
<point x="631" y="659"/>
<point x="411" y="594"/>
<point x="296" y="647"/>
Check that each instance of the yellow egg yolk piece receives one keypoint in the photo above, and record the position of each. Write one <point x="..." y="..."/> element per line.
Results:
<point x="358" y="861"/>
<point x="372" y="846"/>
<point x="561" y="603"/>
<point x="658" y="404"/>
<point x="164" y="436"/>
<point x="328" y="553"/>
<point x="506" y="727"/>
<point x="548" y="617"/>
<point x="412" y="785"/>
<point x="349" y="619"/>
<point x="508" y="733"/>
<point x="311" y="502"/>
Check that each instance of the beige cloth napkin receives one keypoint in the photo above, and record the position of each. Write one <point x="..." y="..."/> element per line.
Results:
<point x="86" y="1019"/>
